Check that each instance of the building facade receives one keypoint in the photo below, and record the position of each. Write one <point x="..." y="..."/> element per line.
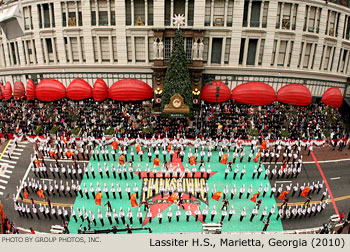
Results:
<point x="273" y="41"/>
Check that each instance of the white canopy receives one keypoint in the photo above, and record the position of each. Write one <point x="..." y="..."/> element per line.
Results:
<point x="11" y="21"/>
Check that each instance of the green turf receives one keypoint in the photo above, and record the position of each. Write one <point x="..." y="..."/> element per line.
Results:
<point x="234" y="225"/>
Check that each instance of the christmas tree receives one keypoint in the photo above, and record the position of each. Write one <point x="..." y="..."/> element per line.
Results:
<point x="177" y="78"/>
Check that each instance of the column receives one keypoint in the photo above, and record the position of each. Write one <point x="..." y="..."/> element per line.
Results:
<point x="345" y="25"/>
<point x="277" y="52"/>
<point x="120" y="31"/>
<point x="257" y="52"/>
<point x="331" y="59"/>
<point x="132" y="13"/>
<point x="146" y="12"/>
<point x="225" y="15"/>
<point x="223" y="47"/>
<point x="76" y="14"/>
<point x="146" y="49"/>
<point x="86" y="33"/>
<point x="97" y="16"/>
<point x="35" y="60"/>
<point x="323" y="57"/>
<point x="70" y="53"/>
<point x="50" y="14"/>
<point x="109" y="13"/>
<point x="171" y="12"/>
<point x="307" y="19"/>
<point x="80" y="49"/>
<point x="311" y="56"/>
<point x="328" y="18"/>
<point x="340" y="59"/>
<point x="111" y="58"/>
<point x="209" y="50"/>
<point x="248" y="16"/>
<point x="11" y="54"/>
<point x="212" y="13"/>
<point x="246" y="44"/>
<point x="42" y="16"/>
<point x="16" y="54"/>
<point x="21" y="51"/>
<point x="281" y="15"/>
<point x="53" y="43"/>
<point x="186" y="12"/>
<point x="261" y="14"/>
<point x="67" y="14"/>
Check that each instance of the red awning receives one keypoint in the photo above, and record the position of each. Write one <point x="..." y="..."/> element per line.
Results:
<point x="79" y="89"/>
<point x="100" y="90"/>
<point x="210" y="89"/>
<point x="18" y="90"/>
<point x="8" y="91"/>
<point x="295" y="94"/>
<point x="130" y="90"/>
<point x="30" y="90"/>
<point x="333" y="97"/>
<point x="50" y="90"/>
<point x="254" y="93"/>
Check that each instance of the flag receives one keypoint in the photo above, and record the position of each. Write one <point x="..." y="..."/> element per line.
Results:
<point x="98" y="198"/>
<point x="133" y="200"/>
<point x="37" y="163"/>
<point x="193" y="160"/>
<point x="283" y="195"/>
<point x="115" y="145"/>
<point x="69" y="154"/>
<point x="156" y="161"/>
<point x="25" y="193"/>
<point x="169" y="147"/>
<point x="40" y="193"/>
<point x="284" y="166"/>
<point x="342" y="215"/>
<point x="305" y="192"/>
<point x="224" y="159"/>
<point x="256" y="159"/>
<point x="121" y="160"/>
<point x="172" y="198"/>
<point x="216" y="196"/>
<point x="263" y="145"/>
<point x="254" y="197"/>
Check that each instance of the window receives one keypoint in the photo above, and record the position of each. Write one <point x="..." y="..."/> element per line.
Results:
<point x="265" y="13"/>
<point x="102" y="12"/>
<point x="188" y="47"/>
<point x="307" y="7"/>
<point x="286" y="16"/>
<point x="241" y="51"/>
<point x="27" y="15"/>
<point x="294" y="20"/>
<point x="167" y="48"/>
<point x="290" y="53"/>
<point x="29" y="51"/>
<point x="179" y="7"/>
<point x="139" y="12"/>
<point x="207" y="12"/>
<point x="93" y="12"/>
<point x="82" y="47"/>
<point x="343" y="61"/>
<point x="227" y="50"/>
<point x="94" y="42"/>
<point x="313" y="58"/>
<point x="255" y="14"/>
<point x="282" y="52"/>
<point x="140" y="55"/>
<point x="115" y="52"/>
<point x="127" y="12"/>
<point x="104" y="47"/>
<point x="216" y="51"/>
<point x="150" y="49"/>
<point x="190" y="12"/>
<point x="206" y="49"/>
<point x="323" y="52"/>
<point x="274" y="52"/>
<point x="219" y="13"/>
<point x="251" y="52"/>
<point x="327" y="57"/>
<point x="129" y="49"/>
<point x="307" y="55"/>
<point x="300" y="53"/>
<point x="261" y="52"/>
<point x="167" y="13"/>
<point x="46" y="15"/>
<point x="66" y="48"/>
<point x="347" y="28"/>
<point x="230" y="12"/>
<point x="245" y="13"/>
<point x="74" y="16"/>
<point x="150" y="12"/>
<point x="318" y="20"/>
<point x="112" y="4"/>
<point x="75" y="49"/>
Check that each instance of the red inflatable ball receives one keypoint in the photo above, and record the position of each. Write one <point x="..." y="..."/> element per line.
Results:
<point x="209" y="92"/>
<point x="50" y="90"/>
<point x="18" y="90"/>
<point x="254" y="93"/>
<point x="30" y="90"/>
<point x="130" y="90"/>
<point x="8" y="91"/>
<point x="100" y="90"/>
<point x="294" y="94"/>
<point x="333" y="97"/>
<point x="79" y="89"/>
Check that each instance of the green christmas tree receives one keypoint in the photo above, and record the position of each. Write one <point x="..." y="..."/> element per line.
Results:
<point x="177" y="78"/>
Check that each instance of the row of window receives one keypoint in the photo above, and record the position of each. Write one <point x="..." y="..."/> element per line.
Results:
<point x="217" y="13"/>
<point x="216" y="51"/>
